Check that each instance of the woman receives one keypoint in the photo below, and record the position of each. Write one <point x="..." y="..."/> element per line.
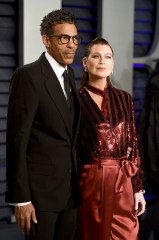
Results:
<point x="109" y="164"/>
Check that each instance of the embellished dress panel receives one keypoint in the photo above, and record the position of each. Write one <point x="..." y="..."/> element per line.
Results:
<point x="109" y="167"/>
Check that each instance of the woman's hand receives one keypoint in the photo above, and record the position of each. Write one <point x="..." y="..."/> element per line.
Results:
<point x="140" y="203"/>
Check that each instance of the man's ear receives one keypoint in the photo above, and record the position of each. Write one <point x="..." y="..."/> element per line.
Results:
<point x="46" y="41"/>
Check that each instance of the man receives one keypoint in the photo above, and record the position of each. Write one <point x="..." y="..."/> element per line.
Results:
<point x="149" y="141"/>
<point x="41" y="136"/>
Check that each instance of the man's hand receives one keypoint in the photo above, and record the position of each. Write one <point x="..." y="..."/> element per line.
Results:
<point x="140" y="203"/>
<point x="24" y="215"/>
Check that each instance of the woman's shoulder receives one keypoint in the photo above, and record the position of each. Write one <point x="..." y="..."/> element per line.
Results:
<point x="121" y="92"/>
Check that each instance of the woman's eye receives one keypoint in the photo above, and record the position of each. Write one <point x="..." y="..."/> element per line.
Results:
<point x="108" y="57"/>
<point x="95" y="56"/>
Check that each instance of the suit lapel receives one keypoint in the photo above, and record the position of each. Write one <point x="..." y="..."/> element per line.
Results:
<point x="56" y="93"/>
<point x="76" y="102"/>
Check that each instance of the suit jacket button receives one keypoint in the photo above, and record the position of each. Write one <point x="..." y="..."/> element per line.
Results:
<point x="69" y="170"/>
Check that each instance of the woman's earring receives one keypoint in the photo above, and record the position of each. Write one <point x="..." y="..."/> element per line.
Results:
<point x="85" y="69"/>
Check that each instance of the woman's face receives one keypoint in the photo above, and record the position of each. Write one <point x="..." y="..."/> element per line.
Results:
<point x="100" y="62"/>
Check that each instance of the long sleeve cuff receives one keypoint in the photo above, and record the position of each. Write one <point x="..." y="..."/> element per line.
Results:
<point x="19" y="204"/>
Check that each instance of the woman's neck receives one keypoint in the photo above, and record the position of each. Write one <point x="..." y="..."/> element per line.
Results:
<point x="98" y="84"/>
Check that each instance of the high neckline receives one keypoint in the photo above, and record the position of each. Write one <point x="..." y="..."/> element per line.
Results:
<point x="96" y="90"/>
<point x="103" y="93"/>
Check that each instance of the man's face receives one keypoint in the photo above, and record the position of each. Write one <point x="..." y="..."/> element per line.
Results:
<point x="62" y="53"/>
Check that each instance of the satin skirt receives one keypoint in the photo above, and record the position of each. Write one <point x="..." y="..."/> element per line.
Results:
<point x="107" y="211"/>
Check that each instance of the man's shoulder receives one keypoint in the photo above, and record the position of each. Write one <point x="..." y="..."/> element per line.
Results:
<point x="31" y="65"/>
<point x="71" y="72"/>
<point x="70" y="69"/>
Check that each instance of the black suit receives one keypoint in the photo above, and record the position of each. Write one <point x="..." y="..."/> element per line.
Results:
<point x="41" y="164"/>
<point x="149" y="141"/>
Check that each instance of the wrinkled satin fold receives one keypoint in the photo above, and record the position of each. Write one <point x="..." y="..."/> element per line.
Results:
<point x="130" y="169"/>
<point x="125" y="166"/>
<point x="108" y="201"/>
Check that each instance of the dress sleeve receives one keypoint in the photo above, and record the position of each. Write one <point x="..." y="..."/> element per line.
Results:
<point x="134" y="156"/>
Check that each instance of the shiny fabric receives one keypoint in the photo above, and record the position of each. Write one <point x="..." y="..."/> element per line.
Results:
<point x="109" y="168"/>
<point x="108" y="205"/>
<point x="112" y="136"/>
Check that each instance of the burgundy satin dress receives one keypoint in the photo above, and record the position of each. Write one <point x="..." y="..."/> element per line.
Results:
<point x="108" y="174"/>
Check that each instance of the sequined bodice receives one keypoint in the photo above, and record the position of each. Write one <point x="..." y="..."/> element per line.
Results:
<point x="109" y="140"/>
<point x="105" y="136"/>
<point x="111" y="135"/>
